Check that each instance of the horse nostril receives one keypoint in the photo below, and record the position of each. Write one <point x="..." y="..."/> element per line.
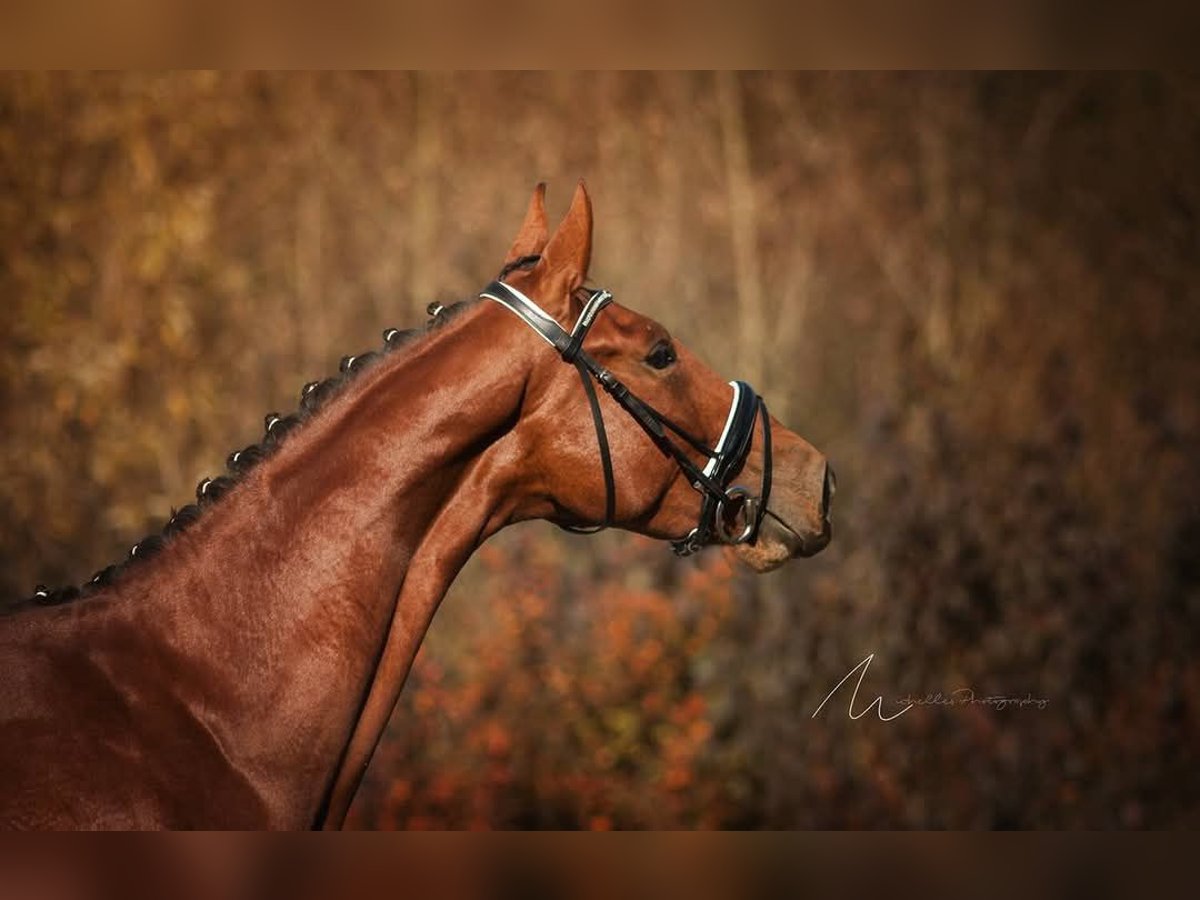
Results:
<point x="829" y="490"/>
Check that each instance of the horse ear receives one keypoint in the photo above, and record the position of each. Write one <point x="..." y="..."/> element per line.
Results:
<point x="534" y="233"/>
<point x="570" y="250"/>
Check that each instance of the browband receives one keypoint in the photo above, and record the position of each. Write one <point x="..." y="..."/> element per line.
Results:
<point x="566" y="343"/>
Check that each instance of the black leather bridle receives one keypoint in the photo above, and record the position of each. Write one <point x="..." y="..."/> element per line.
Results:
<point x="725" y="460"/>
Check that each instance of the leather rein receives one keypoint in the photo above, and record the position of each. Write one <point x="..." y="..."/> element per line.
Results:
<point x="725" y="459"/>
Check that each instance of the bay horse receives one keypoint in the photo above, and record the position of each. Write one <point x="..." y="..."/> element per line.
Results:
<point x="238" y="669"/>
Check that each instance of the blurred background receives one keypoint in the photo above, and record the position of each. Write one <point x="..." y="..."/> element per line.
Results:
<point x="976" y="293"/>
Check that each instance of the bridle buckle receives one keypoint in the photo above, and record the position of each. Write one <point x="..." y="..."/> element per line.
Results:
<point x="691" y="543"/>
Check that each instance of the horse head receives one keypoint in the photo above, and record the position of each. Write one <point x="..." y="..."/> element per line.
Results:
<point x="666" y="447"/>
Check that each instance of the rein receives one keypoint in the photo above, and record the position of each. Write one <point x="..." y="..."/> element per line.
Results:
<point x="724" y="460"/>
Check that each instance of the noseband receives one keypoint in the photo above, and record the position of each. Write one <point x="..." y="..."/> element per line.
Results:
<point x="725" y="460"/>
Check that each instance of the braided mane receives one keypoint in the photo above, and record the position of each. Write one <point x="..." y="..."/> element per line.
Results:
<point x="313" y="396"/>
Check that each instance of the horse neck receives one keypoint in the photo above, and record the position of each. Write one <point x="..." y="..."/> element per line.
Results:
<point x="284" y="594"/>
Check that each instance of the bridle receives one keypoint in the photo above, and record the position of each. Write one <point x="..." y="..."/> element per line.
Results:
<point x="725" y="460"/>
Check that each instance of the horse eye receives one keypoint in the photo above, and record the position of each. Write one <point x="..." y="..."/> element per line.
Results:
<point x="661" y="356"/>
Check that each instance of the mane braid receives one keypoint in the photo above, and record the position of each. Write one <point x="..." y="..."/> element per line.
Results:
<point x="314" y="396"/>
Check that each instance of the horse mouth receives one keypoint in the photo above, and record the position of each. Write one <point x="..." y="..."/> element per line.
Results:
<point x="813" y="544"/>
<point x="779" y="543"/>
<point x="803" y="545"/>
